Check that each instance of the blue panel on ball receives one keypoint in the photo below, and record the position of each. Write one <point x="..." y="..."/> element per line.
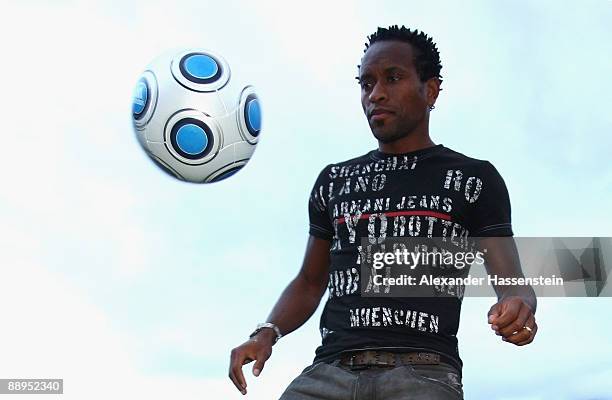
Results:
<point x="191" y="139"/>
<point x="140" y="97"/>
<point x="201" y="66"/>
<point x="253" y="116"/>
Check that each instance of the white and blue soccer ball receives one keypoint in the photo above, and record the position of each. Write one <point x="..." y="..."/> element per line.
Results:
<point x="194" y="116"/>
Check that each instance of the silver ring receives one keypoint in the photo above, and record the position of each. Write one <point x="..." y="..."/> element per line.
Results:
<point x="528" y="328"/>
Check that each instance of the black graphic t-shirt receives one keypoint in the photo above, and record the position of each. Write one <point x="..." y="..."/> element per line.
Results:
<point x="432" y="192"/>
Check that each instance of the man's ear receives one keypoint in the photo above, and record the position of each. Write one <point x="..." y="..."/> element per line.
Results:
<point x="432" y="90"/>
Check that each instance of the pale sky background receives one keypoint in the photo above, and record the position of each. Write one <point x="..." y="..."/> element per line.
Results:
<point x="127" y="283"/>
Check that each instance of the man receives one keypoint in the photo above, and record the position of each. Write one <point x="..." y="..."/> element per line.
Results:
<point x="387" y="347"/>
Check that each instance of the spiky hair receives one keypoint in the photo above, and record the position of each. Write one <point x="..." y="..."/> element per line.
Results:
<point x="426" y="57"/>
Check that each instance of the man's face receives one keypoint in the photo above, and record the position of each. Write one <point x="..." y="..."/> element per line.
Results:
<point x="393" y="97"/>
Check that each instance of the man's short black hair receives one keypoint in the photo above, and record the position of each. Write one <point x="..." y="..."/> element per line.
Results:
<point x="427" y="58"/>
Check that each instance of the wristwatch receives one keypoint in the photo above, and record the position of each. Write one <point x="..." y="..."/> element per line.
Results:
<point x="267" y="325"/>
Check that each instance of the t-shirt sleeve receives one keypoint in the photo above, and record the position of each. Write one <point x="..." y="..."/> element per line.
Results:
<point x="320" y="223"/>
<point x="490" y="216"/>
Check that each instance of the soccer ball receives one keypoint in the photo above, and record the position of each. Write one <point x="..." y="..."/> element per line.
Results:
<point x="194" y="118"/>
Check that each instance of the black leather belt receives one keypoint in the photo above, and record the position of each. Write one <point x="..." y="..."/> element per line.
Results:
<point x="387" y="358"/>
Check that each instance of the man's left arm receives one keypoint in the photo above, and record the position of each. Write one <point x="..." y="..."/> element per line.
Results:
<point x="513" y="316"/>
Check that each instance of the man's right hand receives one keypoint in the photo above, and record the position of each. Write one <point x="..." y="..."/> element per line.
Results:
<point x="295" y="305"/>
<point x="258" y="349"/>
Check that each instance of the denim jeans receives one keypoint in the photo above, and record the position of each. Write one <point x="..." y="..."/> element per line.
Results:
<point x="323" y="381"/>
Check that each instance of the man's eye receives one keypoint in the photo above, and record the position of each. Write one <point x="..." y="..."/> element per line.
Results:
<point x="393" y="78"/>
<point x="365" y="85"/>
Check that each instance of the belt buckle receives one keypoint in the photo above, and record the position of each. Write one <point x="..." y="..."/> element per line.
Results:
<point x="377" y="360"/>
<point x="384" y="363"/>
<point x="354" y="367"/>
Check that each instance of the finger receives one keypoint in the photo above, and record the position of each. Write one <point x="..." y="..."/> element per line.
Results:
<point x="260" y="363"/>
<point x="493" y="313"/>
<point x="534" y="330"/>
<point x="235" y="372"/>
<point x="518" y="323"/>
<point x="524" y="334"/>
<point x="518" y="337"/>
<point x="237" y="381"/>
<point x="509" y="315"/>
<point x="240" y="388"/>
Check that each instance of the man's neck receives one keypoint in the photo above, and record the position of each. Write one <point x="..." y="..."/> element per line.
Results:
<point x="406" y="145"/>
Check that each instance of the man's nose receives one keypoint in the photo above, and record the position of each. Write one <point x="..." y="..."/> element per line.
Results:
<point x="378" y="93"/>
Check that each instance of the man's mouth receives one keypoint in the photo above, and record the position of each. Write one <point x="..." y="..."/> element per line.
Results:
<point x="379" y="114"/>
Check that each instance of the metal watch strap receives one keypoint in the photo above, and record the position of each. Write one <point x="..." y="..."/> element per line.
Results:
<point x="267" y="325"/>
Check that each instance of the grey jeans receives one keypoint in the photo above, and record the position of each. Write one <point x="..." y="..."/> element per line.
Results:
<point x="323" y="381"/>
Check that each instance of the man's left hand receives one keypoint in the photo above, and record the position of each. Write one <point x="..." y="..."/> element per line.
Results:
<point x="513" y="320"/>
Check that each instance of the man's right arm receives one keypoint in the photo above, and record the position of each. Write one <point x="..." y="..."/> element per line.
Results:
<point x="295" y="306"/>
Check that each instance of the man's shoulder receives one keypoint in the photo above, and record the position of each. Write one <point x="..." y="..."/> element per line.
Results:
<point x="462" y="158"/>
<point x="457" y="160"/>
